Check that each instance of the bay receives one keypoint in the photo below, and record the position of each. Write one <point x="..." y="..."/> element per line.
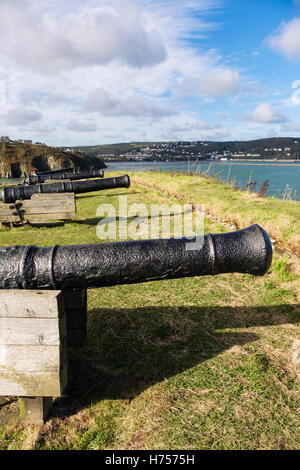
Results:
<point x="283" y="178"/>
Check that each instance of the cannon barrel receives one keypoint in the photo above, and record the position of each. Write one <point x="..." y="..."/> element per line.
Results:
<point x="34" y="179"/>
<point x="53" y="172"/>
<point x="107" y="264"/>
<point x="11" y="194"/>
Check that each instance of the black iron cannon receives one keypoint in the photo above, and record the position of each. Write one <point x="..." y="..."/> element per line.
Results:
<point x="34" y="179"/>
<point x="11" y="194"/>
<point x="53" y="172"/>
<point x="107" y="264"/>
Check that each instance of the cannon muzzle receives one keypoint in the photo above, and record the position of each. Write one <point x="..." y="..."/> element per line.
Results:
<point x="11" y="194"/>
<point x="34" y="179"/>
<point x="107" y="264"/>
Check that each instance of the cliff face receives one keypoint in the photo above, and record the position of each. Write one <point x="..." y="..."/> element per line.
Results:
<point x="19" y="160"/>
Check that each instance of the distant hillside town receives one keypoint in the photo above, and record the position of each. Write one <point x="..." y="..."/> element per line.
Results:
<point x="275" y="148"/>
<point x="181" y="151"/>
<point x="285" y="148"/>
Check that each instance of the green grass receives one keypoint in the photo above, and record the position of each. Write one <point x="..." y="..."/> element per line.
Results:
<point x="280" y="218"/>
<point x="193" y="363"/>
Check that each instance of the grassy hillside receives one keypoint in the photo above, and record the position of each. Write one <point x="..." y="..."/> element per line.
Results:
<point x="18" y="159"/>
<point x="114" y="149"/>
<point x="195" y="363"/>
<point x="226" y="203"/>
<point x="205" y="147"/>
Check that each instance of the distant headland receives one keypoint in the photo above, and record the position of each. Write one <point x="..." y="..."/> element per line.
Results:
<point x="18" y="158"/>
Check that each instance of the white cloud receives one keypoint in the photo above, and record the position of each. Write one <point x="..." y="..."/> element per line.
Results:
<point x="102" y="102"/>
<point x="294" y="99"/>
<point x="81" y="126"/>
<point x="92" y="72"/>
<point x="195" y="126"/>
<point x="47" y="42"/>
<point x="265" y="114"/>
<point x="290" y="127"/>
<point x="28" y="96"/>
<point x="20" y="116"/>
<point x="287" y="40"/>
<point x="223" y="115"/>
<point x="49" y="36"/>
<point x="213" y="83"/>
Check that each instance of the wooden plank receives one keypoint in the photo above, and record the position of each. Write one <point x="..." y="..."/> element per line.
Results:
<point x="32" y="331"/>
<point x="8" y="213"/>
<point x="50" y="215"/>
<point x="45" y="380"/>
<point x="39" y="217"/>
<point x="31" y="303"/>
<point x="40" y="208"/>
<point x="49" y="220"/>
<point x="9" y="219"/>
<point x="45" y="210"/>
<point x="30" y="204"/>
<point x="44" y="203"/>
<point x="32" y="384"/>
<point x="6" y="209"/>
<point x="27" y="358"/>
<point x="33" y="350"/>
<point x="53" y="196"/>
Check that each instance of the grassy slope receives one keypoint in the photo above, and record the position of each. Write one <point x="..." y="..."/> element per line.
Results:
<point x="207" y="366"/>
<point x="240" y="208"/>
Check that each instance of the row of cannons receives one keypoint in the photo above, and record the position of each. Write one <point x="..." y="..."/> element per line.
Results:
<point x="46" y="197"/>
<point x="43" y="290"/>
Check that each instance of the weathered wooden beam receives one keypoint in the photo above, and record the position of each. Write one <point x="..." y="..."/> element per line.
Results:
<point x="36" y="327"/>
<point x="33" y="346"/>
<point x="40" y="208"/>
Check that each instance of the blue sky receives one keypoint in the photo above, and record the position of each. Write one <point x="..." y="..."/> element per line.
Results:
<point x="84" y="72"/>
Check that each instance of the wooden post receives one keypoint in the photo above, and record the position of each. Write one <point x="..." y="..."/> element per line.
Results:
<point x="35" y="410"/>
<point x="33" y="349"/>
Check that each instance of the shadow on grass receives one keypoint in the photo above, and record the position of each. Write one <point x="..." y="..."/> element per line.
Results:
<point x="129" y="350"/>
<point x="108" y="194"/>
<point x="137" y="218"/>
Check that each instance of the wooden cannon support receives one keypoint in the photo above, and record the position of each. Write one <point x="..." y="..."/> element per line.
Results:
<point x="36" y="329"/>
<point x="41" y="208"/>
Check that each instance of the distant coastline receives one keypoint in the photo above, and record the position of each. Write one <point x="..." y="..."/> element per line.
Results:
<point x="214" y="162"/>
<point x="251" y="162"/>
<point x="283" y="179"/>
